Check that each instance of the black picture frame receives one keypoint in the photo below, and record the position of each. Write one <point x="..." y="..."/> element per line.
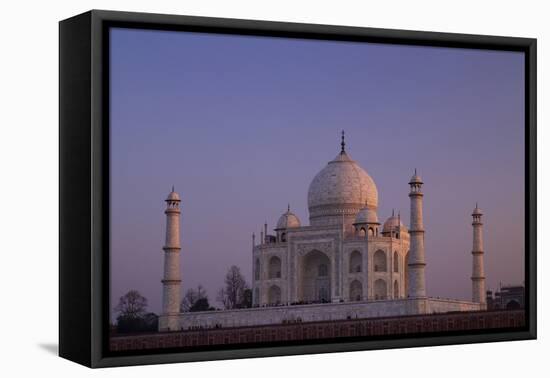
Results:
<point x="84" y="186"/>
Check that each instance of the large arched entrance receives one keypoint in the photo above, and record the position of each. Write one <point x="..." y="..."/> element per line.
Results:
<point x="315" y="280"/>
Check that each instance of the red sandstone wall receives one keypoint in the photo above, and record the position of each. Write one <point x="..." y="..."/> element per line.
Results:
<point x="320" y="330"/>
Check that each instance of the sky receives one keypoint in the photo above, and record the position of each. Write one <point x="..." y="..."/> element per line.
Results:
<point x="240" y="125"/>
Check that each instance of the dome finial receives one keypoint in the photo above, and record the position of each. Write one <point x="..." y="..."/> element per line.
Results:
<point x="343" y="143"/>
<point x="288" y="208"/>
<point x="393" y="212"/>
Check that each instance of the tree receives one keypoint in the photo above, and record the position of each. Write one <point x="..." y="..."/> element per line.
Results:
<point x="132" y="316"/>
<point x="150" y="322"/>
<point x="132" y="305"/>
<point x="201" y="305"/>
<point x="247" y="298"/>
<point x="191" y="297"/>
<point x="232" y="295"/>
<point x="147" y="323"/>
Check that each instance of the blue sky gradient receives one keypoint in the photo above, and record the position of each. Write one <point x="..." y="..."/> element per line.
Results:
<point x="241" y="125"/>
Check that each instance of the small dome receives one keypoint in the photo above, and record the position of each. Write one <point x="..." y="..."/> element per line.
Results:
<point x="477" y="211"/>
<point x="366" y="215"/>
<point x="288" y="220"/>
<point x="391" y="224"/>
<point x="173" y="196"/>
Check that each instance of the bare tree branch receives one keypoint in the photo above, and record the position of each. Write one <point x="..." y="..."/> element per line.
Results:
<point x="232" y="295"/>
<point x="191" y="297"/>
<point x="131" y="305"/>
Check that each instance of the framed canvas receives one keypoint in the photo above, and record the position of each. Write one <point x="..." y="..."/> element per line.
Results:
<point x="235" y="188"/>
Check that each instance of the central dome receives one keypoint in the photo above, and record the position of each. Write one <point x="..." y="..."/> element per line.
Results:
<point x="340" y="190"/>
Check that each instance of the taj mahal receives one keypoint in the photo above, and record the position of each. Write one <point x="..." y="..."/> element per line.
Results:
<point x="344" y="264"/>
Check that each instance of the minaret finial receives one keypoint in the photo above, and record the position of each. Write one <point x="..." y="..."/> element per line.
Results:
<point x="172" y="188"/>
<point x="415" y="171"/>
<point x="393" y="212"/>
<point x="343" y="143"/>
<point x="288" y="208"/>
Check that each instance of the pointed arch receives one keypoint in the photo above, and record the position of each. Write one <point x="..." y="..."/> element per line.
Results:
<point x="257" y="269"/>
<point x="380" y="289"/>
<point x="274" y="267"/>
<point x="315" y="277"/>
<point x="355" y="262"/>
<point x="256" y="296"/>
<point x="380" y="264"/>
<point x="355" y="290"/>
<point x="274" y="295"/>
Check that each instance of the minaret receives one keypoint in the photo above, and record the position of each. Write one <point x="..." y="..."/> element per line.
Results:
<point x="417" y="264"/>
<point x="171" y="282"/>
<point x="478" y="272"/>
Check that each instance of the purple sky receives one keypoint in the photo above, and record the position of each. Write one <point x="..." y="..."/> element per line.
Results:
<point x="241" y="125"/>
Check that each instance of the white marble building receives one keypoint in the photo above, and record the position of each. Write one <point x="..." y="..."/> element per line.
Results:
<point x="344" y="264"/>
